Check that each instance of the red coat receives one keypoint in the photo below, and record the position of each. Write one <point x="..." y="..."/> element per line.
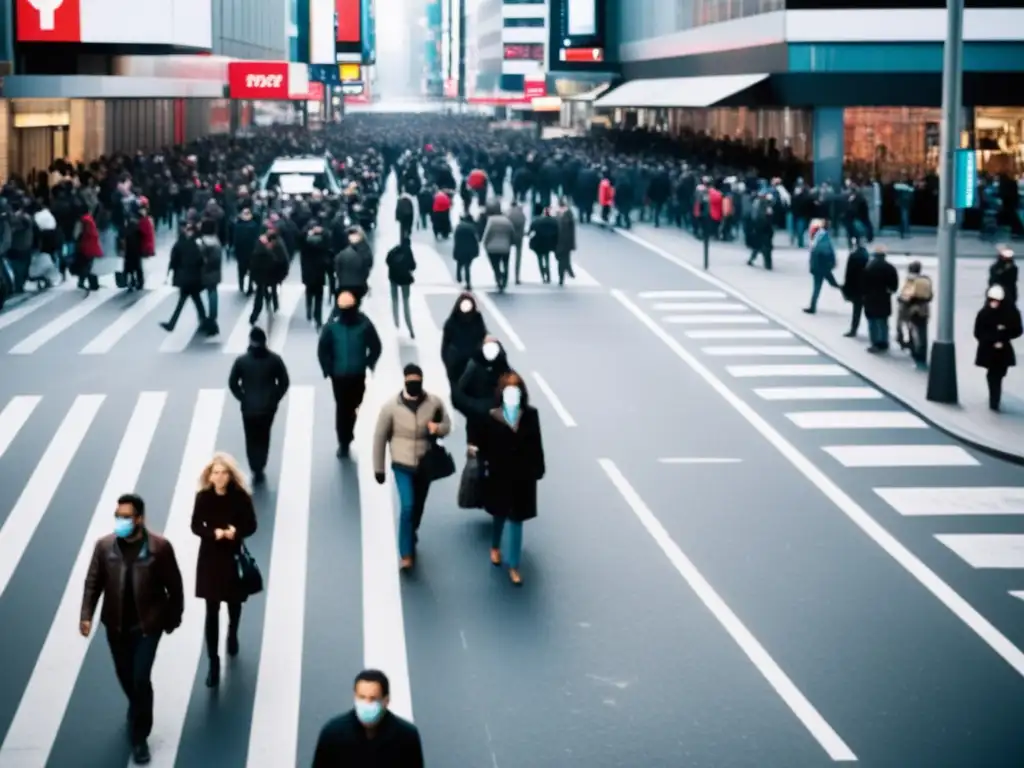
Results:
<point x="477" y="180"/>
<point x="605" y="193"/>
<point x="89" y="239"/>
<point x="715" y="204"/>
<point x="442" y="203"/>
<point x="147" y="236"/>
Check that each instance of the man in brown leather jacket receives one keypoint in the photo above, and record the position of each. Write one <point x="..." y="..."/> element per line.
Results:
<point x="136" y="573"/>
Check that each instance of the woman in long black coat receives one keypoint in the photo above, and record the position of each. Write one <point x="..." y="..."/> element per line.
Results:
<point x="463" y="334"/>
<point x="222" y="517"/>
<point x="997" y="324"/>
<point x="510" y="442"/>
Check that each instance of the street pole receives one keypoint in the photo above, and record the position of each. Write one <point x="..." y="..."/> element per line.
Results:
<point x="942" y="383"/>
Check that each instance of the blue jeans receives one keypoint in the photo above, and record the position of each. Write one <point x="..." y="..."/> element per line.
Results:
<point x="412" y="498"/>
<point x="878" y="332"/>
<point x="512" y="551"/>
<point x="817" y="282"/>
<point x="212" y="303"/>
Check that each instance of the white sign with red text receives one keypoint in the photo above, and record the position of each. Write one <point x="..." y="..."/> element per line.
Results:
<point x="181" y="23"/>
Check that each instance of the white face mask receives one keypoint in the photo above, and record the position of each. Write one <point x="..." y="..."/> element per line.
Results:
<point x="466" y="305"/>
<point x="511" y="397"/>
<point x="491" y="350"/>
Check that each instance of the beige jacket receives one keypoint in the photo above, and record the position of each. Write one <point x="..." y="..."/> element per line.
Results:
<point x="406" y="432"/>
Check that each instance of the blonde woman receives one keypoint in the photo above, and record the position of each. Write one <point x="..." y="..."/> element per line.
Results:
<point x="223" y="516"/>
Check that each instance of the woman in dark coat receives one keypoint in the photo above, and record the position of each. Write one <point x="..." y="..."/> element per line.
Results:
<point x="223" y="517"/>
<point x="462" y="336"/>
<point x="314" y="260"/>
<point x="473" y="395"/>
<point x="465" y="248"/>
<point x="510" y="443"/>
<point x="853" y="284"/>
<point x="544" y="233"/>
<point x="997" y="324"/>
<point x="880" y="282"/>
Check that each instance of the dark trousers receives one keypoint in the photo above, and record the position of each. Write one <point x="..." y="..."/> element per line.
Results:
<point x="348" y="396"/>
<point x="315" y="304"/>
<point x="817" y="282"/>
<point x="994" y="377"/>
<point x="257" y="439"/>
<point x="858" y="311"/>
<point x="134" y="654"/>
<point x="212" y="627"/>
<point x="244" y="279"/>
<point x="499" y="266"/>
<point x="878" y="332"/>
<point x="265" y="294"/>
<point x="183" y="296"/>
<point x="405" y="229"/>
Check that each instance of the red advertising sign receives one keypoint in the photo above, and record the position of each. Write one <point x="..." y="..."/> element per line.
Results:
<point x="350" y="20"/>
<point x="535" y="89"/>
<point x="260" y="80"/>
<point x="49" y="21"/>
<point x="581" y="55"/>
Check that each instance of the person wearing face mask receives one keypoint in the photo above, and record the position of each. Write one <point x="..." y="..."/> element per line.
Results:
<point x="996" y="325"/>
<point x="369" y="735"/>
<point x="1004" y="273"/>
<point x="473" y="395"/>
<point x="510" y="439"/>
<point x="353" y="264"/>
<point x="409" y="424"/>
<point x="463" y="334"/>
<point x="349" y="345"/>
<point x="136" y="574"/>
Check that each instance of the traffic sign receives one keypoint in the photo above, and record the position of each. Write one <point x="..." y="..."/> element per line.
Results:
<point x="965" y="179"/>
<point x="324" y="73"/>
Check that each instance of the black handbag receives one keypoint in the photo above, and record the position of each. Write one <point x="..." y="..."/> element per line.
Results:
<point x="248" y="572"/>
<point x="471" y="484"/>
<point x="437" y="463"/>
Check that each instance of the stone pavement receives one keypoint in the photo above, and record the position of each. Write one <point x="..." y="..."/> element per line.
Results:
<point x="784" y="292"/>
<point x="921" y="242"/>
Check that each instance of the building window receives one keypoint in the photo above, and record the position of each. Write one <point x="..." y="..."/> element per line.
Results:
<point x="522" y="52"/>
<point x="535" y="23"/>
<point x="890" y="142"/>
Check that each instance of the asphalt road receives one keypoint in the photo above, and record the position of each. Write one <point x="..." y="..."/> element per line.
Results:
<point x="724" y="571"/>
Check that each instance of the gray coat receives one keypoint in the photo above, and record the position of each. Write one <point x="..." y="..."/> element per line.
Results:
<point x="212" y="260"/>
<point x="518" y="219"/>
<point x="499" y="235"/>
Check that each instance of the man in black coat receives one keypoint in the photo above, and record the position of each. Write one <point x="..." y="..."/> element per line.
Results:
<point x="368" y="735"/>
<point x="187" y="268"/>
<point x="259" y="381"/>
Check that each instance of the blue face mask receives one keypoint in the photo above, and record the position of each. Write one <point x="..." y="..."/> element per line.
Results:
<point x="369" y="712"/>
<point x="124" y="527"/>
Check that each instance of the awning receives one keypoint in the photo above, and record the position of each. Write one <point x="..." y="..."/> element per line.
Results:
<point x="109" y="87"/>
<point x="664" y="93"/>
<point x="590" y="95"/>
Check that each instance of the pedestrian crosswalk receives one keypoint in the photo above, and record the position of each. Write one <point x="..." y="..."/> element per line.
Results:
<point x="859" y="432"/>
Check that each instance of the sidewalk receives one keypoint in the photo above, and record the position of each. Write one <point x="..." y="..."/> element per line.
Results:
<point x="784" y="292"/>
<point x="921" y="242"/>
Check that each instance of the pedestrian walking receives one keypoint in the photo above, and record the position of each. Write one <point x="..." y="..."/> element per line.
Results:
<point x="510" y="445"/>
<point x="914" y="301"/>
<point x="369" y="735"/>
<point x="543" y="240"/>
<point x="853" y="285"/>
<point x="473" y="395"/>
<point x="497" y="239"/>
<point x="997" y="324"/>
<point x="265" y="273"/>
<point x="349" y="346"/>
<point x="401" y="265"/>
<point x="462" y="336"/>
<point x="353" y="264"/>
<point x="259" y="381"/>
<point x="881" y="281"/>
<point x="822" y="262"/>
<point x="222" y="517"/>
<point x="315" y="263"/>
<point x="186" y="267"/>
<point x="136" y="574"/>
<point x="465" y="248"/>
<point x="213" y="257"/>
<point x="566" y="242"/>
<point x="518" y="219"/>
<point x="410" y="424"/>
<point x="1003" y="272"/>
<point x="405" y="214"/>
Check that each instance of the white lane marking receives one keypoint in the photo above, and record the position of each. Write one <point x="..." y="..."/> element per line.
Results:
<point x="64" y="321"/>
<point x="14" y="416"/>
<point x="715" y="320"/>
<point x="860" y="456"/>
<point x="698" y="460"/>
<point x="128" y="319"/>
<point x="953" y="502"/>
<point x="238" y="340"/>
<point x="11" y="316"/>
<point x="812" y="720"/>
<point x="384" y="644"/>
<point x="556" y="404"/>
<point x="274" y="725"/>
<point x="782" y="371"/>
<point x="35" y="726"/>
<point x="763" y="350"/>
<point x="681" y="295"/>
<point x="913" y="565"/>
<point x="508" y="333"/>
<point x="818" y="393"/>
<point x="702" y="306"/>
<point x="278" y="326"/>
<point x="27" y="513"/>
<point x="174" y="672"/>
<point x="856" y="420"/>
<point x="987" y="550"/>
<point x="1019" y="595"/>
<point x="743" y="333"/>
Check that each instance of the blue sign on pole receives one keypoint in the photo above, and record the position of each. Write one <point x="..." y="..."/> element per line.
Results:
<point x="965" y="179"/>
<point x="328" y="74"/>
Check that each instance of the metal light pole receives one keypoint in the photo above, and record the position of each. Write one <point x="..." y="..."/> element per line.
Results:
<point x="942" y="384"/>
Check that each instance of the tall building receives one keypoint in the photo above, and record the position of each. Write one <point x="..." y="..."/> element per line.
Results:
<point x="510" y="38"/>
<point x="453" y="48"/>
<point x="432" y="43"/>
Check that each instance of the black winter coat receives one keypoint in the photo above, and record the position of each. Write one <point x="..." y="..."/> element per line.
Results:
<point x="515" y="463"/>
<point x="259" y="381"/>
<point x="1004" y="273"/>
<point x="343" y="744"/>
<point x="315" y="260"/>
<point x="544" y="231"/>
<point x="1001" y="324"/>
<point x="461" y="338"/>
<point x="466" y="244"/>
<point x="476" y="392"/>
<point x="187" y="264"/>
<point x="401" y="265"/>
<point x="216" y="570"/>
<point x="853" y="281"/>
<point x="881" y="281"/>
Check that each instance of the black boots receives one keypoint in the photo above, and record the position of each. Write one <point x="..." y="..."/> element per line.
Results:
<point x="213" y="676"/>
<point x="233" y="643"/>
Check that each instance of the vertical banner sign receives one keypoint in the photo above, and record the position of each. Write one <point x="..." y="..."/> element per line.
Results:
<point x="965" y="177"/>
<point x="349" y="37"/>
<point x="321" y="32"/>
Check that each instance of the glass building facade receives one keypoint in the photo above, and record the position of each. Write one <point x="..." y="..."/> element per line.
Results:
<point x="645" y="19"/>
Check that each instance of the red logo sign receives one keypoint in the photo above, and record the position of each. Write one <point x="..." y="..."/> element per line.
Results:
<point x="581" y="55"/>
<point x="264" y="80"/>
<point x="535" y="89"/>
<point x="350" y="20"/>
<point x="49" y="21"/>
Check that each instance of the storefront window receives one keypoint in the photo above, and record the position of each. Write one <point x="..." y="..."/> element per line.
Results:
<point x="888" y="142"/>
<point x="999" y="139"/>
<point x="790" y="128"/>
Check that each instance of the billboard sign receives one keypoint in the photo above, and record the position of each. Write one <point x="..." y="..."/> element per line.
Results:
<point x="179" y="23"/>
<point x="577" y="36"/>
<point x="348" y="37"/>
<point x="271" y="81"/>
<point x="321" y="32"/>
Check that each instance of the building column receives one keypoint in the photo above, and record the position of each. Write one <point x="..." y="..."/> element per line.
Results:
<point x="828" y="145"/>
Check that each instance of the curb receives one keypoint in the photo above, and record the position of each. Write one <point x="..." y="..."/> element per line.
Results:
<point x="992" y="451"/>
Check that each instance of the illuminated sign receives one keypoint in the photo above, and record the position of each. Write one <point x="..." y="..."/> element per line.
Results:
<point x="576" y="36"/>
<point x="348" y="38"/>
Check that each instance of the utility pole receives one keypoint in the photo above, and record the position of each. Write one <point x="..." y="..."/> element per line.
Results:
<point x="942" y="381"/>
